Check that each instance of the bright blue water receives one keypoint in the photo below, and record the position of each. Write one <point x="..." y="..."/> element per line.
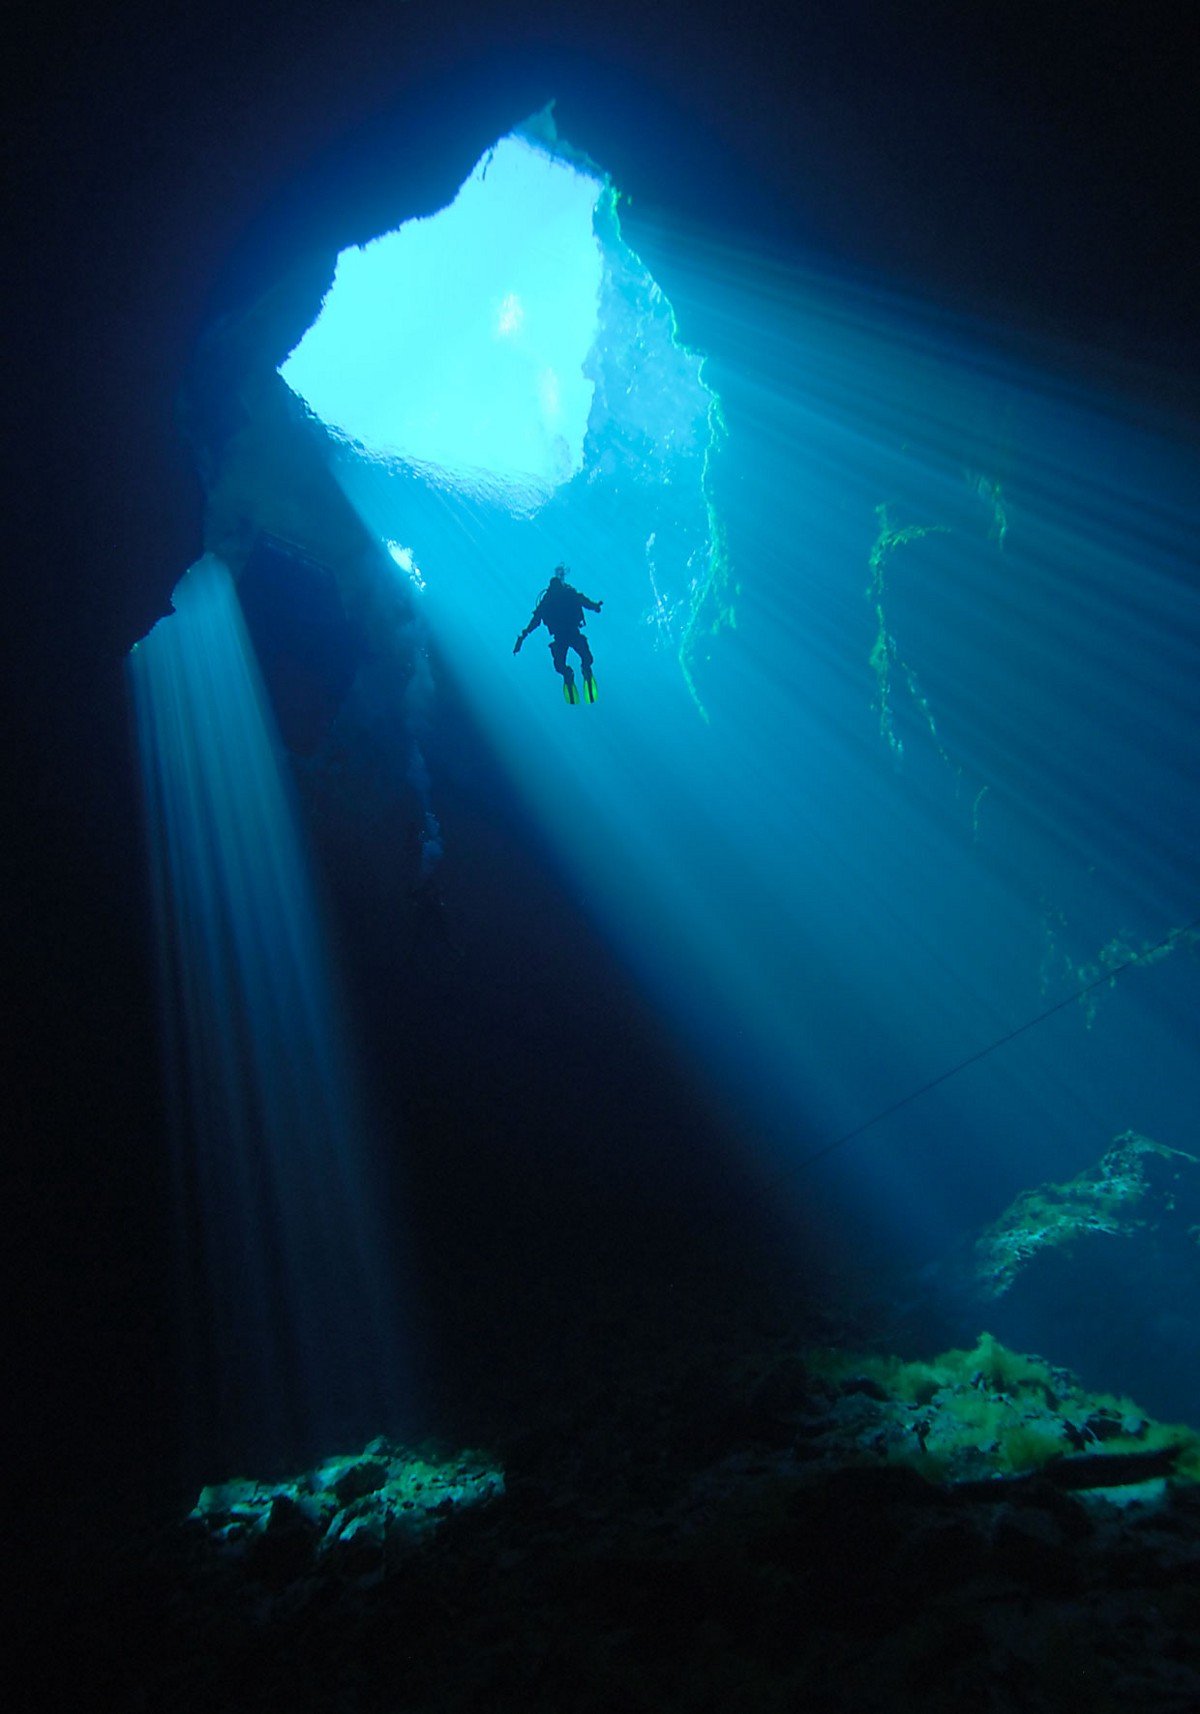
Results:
<point x="505" y="402"/>
<point x="963" y="819"/>
<point x="934" y="780"/>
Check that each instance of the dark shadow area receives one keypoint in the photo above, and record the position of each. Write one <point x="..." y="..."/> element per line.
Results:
<point x="307" y="650"/>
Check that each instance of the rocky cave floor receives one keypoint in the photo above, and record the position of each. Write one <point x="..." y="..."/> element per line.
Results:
<point x="740" y="1527"/>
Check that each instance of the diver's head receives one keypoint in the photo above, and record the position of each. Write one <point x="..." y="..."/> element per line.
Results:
<point x="559" y="573"/>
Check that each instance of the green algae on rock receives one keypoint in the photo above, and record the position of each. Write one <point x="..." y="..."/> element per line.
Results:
<point x="352" y="1511"/>
<point x="1138" y="1183"/>
<point x="990" y="1412"/>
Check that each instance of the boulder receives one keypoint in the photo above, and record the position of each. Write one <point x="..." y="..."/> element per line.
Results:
<point x="365" y="1477"/>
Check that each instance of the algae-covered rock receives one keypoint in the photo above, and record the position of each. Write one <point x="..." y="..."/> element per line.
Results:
<point x="348" y="1513"/>
<point x="1139" y="1187"/>
<point x="989" y="1413"/>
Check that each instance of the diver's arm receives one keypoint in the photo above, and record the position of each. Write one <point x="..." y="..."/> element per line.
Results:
<point x="532" y="626"/>
<point x="592" y="606"/>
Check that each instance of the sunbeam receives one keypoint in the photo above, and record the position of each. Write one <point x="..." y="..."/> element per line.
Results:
<point x="291" y="1336"/>
<point x="946" y="765"/>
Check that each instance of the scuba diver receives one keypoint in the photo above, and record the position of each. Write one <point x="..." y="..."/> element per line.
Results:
<point x="560" y="609"/>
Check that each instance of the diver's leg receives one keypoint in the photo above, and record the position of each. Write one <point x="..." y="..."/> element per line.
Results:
<point x="580" y="644"/>
<point x="558" y="654"/>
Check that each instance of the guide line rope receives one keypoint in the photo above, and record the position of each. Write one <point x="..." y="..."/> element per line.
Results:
<point x="984" y="1052"/>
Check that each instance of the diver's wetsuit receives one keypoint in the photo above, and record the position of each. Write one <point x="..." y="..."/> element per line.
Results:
<point x="561" y="611"/>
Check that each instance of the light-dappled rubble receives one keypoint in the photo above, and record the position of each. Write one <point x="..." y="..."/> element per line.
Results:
<point x="352" y="1514"/>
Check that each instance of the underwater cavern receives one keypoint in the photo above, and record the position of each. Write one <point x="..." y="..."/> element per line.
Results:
<point x="672" y="1183"/>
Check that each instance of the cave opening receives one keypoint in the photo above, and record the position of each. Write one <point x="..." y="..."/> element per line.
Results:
<point x="458" y="344"/>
